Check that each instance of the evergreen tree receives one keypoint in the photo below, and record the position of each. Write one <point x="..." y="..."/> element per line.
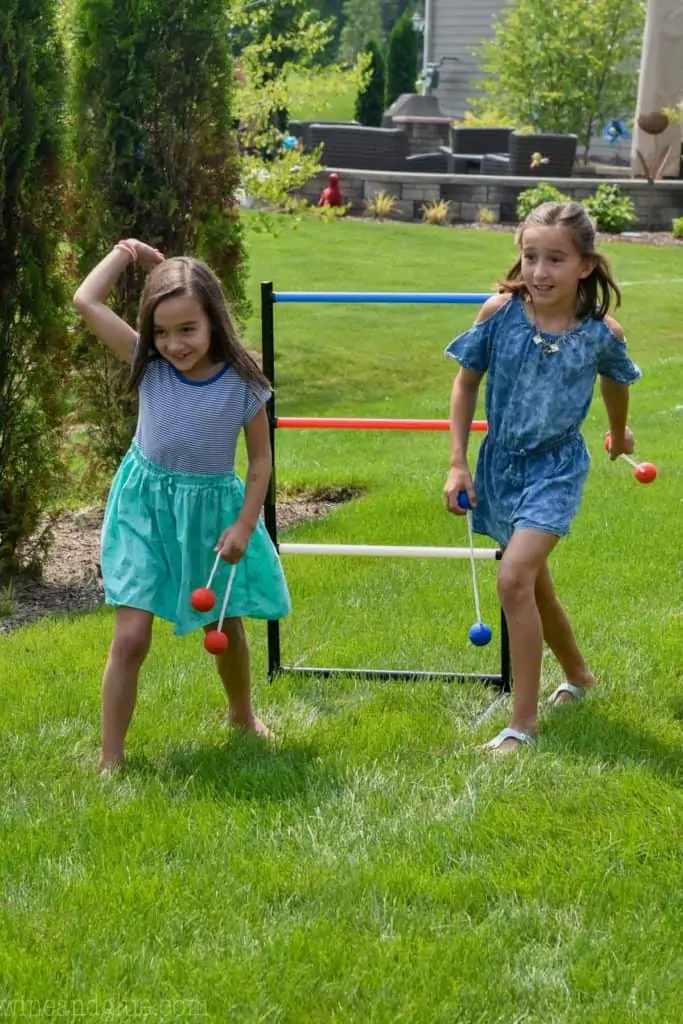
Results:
<point x="155" y="159"/>
<point x="370" y="100"/>
<point x="33" y="339"/>
<point x="403" y="61"/>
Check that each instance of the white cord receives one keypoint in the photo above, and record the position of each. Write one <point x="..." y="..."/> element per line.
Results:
<point x="474" y="571"/>
<point x="213" y="571"/>
<point x="631" y="462"/>
<point x="227" y="596"/>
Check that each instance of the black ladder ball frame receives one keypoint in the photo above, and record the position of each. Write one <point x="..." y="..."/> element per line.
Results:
<point x="502" y="680"/>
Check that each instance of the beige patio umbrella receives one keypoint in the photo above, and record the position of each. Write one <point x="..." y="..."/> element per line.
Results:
<point x="660" y="85"/>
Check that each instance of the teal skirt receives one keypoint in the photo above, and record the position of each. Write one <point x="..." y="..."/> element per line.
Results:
<point x="158" y="538"/>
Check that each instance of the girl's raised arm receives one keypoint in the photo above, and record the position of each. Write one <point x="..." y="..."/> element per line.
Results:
<point x="91" y="297"/>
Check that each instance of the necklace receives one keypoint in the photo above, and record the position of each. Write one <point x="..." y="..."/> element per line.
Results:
<point x="547" y="342"/>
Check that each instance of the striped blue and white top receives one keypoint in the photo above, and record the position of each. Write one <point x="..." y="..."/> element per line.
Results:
<point x="188" y="426"/>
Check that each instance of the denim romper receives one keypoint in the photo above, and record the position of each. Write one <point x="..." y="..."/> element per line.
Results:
<point x="533" y="463"/>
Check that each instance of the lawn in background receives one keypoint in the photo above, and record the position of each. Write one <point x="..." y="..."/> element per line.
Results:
<point x="339" y="107"/>
<point x="373" y="865"/>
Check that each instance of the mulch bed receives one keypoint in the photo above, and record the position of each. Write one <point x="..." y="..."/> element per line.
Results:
<point x="70" y="580"/>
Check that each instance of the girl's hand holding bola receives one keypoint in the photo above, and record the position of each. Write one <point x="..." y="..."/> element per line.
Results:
<point x="459" y="479"/>
<point x="233" y="541"/>
<point x="623" y="446"/>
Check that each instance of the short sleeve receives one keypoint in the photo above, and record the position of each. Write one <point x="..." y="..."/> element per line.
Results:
<point x="614" y="361"/>
<point x="472" y="348"/>
<point x="255" y="397"/>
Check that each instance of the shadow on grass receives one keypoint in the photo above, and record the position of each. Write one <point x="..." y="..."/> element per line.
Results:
<point x="244" y="768"/>
<point x="585" y="731"/>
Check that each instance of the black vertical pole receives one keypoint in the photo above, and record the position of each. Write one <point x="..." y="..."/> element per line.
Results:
<point x="505" y="672"/>
<point x="505" y="669"/>
<point x="269" y="508"/>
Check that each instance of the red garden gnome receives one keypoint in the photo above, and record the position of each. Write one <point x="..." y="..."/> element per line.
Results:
<point x="331" y="196"/>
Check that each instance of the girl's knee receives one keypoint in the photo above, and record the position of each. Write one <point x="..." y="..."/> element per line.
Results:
<point x="515" y="584"/>
<point x="233" y="629"/>
<point x="132" y="639"/>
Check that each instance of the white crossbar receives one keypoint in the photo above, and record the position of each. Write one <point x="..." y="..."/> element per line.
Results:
<point x="386" y="550"/>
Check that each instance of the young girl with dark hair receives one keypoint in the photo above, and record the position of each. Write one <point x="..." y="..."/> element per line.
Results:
<point x="175" y="500"/>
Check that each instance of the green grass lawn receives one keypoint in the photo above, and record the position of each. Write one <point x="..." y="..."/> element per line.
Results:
<point x="339" y="106"/>
<point x="372" y="865"/>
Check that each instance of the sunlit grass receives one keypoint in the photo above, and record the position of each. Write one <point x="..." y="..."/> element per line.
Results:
<point x="372" y="865"/>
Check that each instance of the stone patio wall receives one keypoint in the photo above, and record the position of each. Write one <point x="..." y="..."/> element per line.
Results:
<point x="656" y="205"/>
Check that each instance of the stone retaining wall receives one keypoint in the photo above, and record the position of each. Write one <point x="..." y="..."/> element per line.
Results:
<point x="656" y="205"/>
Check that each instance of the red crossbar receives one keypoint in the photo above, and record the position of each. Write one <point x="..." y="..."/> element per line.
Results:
<point x="338" y="423"/>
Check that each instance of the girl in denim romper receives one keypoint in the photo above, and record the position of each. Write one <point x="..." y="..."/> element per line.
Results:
<point x="175" y="500"/>
<point x="542" y="341"/>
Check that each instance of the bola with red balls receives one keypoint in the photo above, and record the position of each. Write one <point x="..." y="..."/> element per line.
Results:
<point x="203" y="599"/>
<point x="644" y="472"/>
<point x="215" y="642"/>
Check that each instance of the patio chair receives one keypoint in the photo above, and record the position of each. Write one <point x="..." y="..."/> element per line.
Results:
<point x="558" y="149"/>
<point x="468" y="146"/>
<point x="359" y="147"/>
<point x="428" y="163"/>
<point x="300" y="129"/>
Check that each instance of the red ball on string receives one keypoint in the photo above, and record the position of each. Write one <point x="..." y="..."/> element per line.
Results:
<point x="215" y="642"/>
<point x="203" y="599"/>
<point x="645" y="473"/>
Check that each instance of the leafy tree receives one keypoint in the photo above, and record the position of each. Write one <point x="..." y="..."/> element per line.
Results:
<point x="567" y="66"/>
<point x="362" y="21"/>
<point x="370" y="99"/>
<point x="269" y="83"/>
<point x="403" y="61"/>
<point x="33" y="338"/>
<point x="155" y="158"/>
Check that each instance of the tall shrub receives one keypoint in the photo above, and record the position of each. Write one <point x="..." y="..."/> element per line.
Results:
<point x="370" y="99"/>
<point x="33" y="340"/>
<point x="155" y="158"/>
<point x="403" y="61"/>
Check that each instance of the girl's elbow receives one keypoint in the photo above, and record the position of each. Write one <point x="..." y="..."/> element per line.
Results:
<point x="261" y="465"/>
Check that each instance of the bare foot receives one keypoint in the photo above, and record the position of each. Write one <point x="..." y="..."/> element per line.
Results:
<point x="250" y="724"/>
<point x="567" y="697"/>
<point x="110" y="766"/>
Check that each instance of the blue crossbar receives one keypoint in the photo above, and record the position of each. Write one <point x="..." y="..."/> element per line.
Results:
<point x="451" y="298"/>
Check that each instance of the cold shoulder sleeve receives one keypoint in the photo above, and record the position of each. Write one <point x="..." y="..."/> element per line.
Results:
<point x="472" y="349"/>
<point x="614" y="361"/>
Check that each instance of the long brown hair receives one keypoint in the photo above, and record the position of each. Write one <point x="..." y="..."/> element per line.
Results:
<point x="184" y="275"/>
<point x="597" y="292"/>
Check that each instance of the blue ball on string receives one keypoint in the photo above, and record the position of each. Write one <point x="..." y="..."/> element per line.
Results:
<point x="464" y="501"/>
<point x="480" y="634"/>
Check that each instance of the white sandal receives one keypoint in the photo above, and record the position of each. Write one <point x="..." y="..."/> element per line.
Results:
<point x="524" y="738"/>
<point x="577" y="693"/>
